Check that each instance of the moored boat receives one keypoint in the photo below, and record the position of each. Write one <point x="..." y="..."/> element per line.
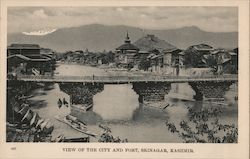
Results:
<point x="80" y="139"/>
<point x="62" y="138"/>
<point x="34" y="120"/>
<point x="39" y="123"/>
<point x="75" y="125"/>
<point x="105" y="128"/>
<point x="83" y="108"/>
<point x="28" y="116"/>
<point x="23" y="110"/>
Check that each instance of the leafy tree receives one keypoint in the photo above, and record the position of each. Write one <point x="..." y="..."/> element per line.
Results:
<point x="108" y="57"/>
<point x="192" y="58"/>
<point x="201" y="128"/>
<point x="212" y="63"/>
<point x="144" y="64"/>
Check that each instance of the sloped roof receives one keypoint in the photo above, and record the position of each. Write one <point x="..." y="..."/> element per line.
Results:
<point x="151" y="42"/>
<point x="173" y="51"/>
<point x="127" y="46"/>
<point x="39" y="59"/>
<point x="19" y="56"/>
<point x="225" y="60"/>
<point x="202" y="47"/>
<point x="181" y="53"/>
<point x="233" y="53"/>
<point x="219" y="51"/>
<point x="47" y="55"/>
<point x="24" y="46"/>
<point x="144" y="52"/>
<point x="150" y="55"/>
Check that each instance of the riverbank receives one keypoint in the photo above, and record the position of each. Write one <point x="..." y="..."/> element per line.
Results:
<point x="147" y="122"/>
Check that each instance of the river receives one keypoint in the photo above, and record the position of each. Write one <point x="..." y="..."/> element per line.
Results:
<point x="118" y="108"/>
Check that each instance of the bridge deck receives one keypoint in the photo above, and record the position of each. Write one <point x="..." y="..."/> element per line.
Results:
<point x="126" y="79"/>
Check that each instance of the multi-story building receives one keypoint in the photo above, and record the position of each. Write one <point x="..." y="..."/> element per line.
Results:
<point x="127" y="52"/>
<point x="27" y="59"/>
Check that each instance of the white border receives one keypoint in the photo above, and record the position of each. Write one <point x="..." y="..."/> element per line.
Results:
<point x="54" y="150"/>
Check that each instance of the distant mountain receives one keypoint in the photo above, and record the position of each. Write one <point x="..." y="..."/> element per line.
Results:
<point x="98" y="37"/>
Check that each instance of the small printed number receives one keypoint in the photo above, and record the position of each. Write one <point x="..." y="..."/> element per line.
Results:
<point x="13" y="148"/>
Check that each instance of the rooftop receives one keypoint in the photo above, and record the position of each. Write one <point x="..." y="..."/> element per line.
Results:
<point x="181" y="53"/>
<point x="202" y="47"/>
<point x="35" y="59"/>
<point x="24" y="46"/>
<point x="152" y="42"/>
<point x="127" y="46"/>
<point x="172" y="50"/>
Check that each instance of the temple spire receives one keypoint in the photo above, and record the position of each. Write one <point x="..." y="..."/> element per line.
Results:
<point x="127" y="40"/>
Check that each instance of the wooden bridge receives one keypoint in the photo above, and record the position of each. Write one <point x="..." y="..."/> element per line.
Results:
<point x="126" y="79"/>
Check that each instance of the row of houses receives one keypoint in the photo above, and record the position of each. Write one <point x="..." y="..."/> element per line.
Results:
<point x="172" y="60"/>
<point x="86" y="57"/>
<point x="149" y="54"/>
<point x="30" y="59"/>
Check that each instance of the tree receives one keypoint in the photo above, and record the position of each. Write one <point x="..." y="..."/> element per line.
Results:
<point x="212" y="63"/>
<point x="201" y="128"/>
<point x="144" y="64"/>
<point x="107" y="57"/>
<point x="192" y="58"/>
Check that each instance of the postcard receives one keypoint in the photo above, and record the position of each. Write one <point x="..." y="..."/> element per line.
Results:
<point x="124" y="79"/>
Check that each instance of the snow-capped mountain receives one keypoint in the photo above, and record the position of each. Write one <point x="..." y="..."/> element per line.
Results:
<point x="40" y="32"/>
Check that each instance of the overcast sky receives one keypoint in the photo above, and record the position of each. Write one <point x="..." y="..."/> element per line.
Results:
<point x="215" y="19"/>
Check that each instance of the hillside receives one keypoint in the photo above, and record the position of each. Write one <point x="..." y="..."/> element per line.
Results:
<point x="97" y="37"/>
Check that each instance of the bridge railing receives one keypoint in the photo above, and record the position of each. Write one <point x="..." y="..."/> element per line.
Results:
<point x="126" y="78"/>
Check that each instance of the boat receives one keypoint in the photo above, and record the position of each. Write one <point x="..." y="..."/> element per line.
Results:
<point x="62" y="138"/>
<point x="34" y="120"/>
<point x="59" y="138"/>
<point x="105" y="128"/>
<point x="74" y="119"/>
<point x="83" y="108"/>
<point x="44" y="123"/>
<point x="181" y="97"/>
<point x="23" y="110"/>
<point x="80" y="139"/>
<point x="28" y="116"/>
<point x="39" y="122"/>
<point x="79" y="126"/>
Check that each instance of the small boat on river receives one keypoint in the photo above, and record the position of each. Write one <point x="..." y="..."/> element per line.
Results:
<point x="83" y="108"/>
<point x="62" y="138"/>
<point x="105" y="128"/>
<point x="75" y="124"/>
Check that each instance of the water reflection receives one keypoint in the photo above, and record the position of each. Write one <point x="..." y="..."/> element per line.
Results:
<point x="118" y="107"/>
<point x="116" y="102"/>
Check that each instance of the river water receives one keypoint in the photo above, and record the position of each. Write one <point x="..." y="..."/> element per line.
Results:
<point x="117" y="107"/>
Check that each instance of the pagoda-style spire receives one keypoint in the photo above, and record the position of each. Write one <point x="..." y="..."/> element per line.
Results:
<point x="127" y="40"/>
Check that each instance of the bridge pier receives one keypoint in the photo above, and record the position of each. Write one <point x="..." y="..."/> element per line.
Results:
<point x="151" y="91"/>
<point x="210" y="89"/>
<point x="81" y="93"/>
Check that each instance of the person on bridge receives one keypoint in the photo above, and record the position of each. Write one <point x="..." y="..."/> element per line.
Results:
<point x="65" y="102"/>
<point x="59" y="103"/>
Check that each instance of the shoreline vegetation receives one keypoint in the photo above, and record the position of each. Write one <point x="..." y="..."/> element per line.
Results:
<point x="201" y="128"/>
<point x="25" y="125"/>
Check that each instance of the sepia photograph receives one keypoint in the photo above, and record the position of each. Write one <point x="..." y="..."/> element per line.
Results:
<point x="123" y="74"/>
